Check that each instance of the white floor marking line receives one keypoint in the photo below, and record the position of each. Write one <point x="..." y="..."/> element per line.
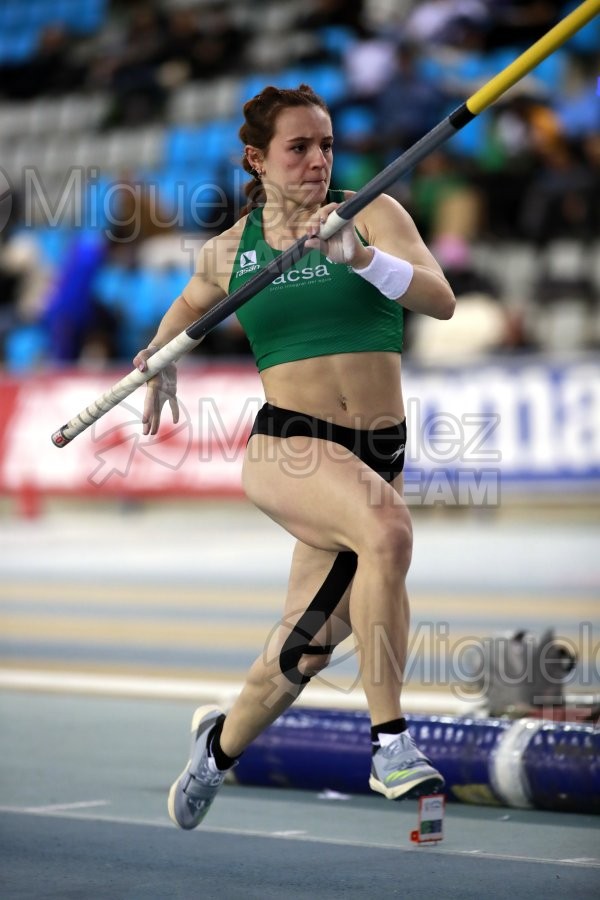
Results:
<point x="63" y="807"/>
<point x="285" y="833"/>
<point x="581" y="859"/>
<point x="593" y="863"/>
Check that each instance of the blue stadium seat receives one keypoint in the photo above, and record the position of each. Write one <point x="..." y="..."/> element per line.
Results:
<point x="18" y="46"/>
<point x="254" y="84"/>
<point x="336" y="39"/>
<point x="344" y="164"/>
<point x="551" y="71"/>
<point x="587" y="40"/>
<point x="218" y="140"/>
<point x="24" y="348"/>
<point x="233" y="178"/>
<point x="175" y="280"/>
<point x="354" y="121"/>
<point x="6" y="18"/>
<point x="111" y="286"/>
<point x="87" y="17"/>
<point x="144" y="299"/>
<point x="181" y="189"/>
<point x="53" y="244"/>
<point x="290" y="78"/>
<point x="183" y="145"/>
<point x="470" y="139"/>
<point x="38" y="15"/>
<point x="327" y="81"/>
<point x="580" y="114"/>
<point x="207" y="203"/>
<point x="209" y="144"/>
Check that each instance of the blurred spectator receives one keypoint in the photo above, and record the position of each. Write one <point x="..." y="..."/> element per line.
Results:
<point x="508" y="160"/>
<point x="563" y="197"/>
<point x="129" y="70"/>
<point x="72" y="318"/>
<point x="442" y="21"/>
<point x="322" y="13"/>
<point x="22" y="338"/>
<point x="529" y="170"/>
<point x="518" y="23"/>
<point x="219" y="46"/>
<point x="9" y="273"/>
<point x="23" y="260"/>
<point x="135" y="215"/>
<point x="369" y="65"/>
<point x="577" y="105"/>
<point x="480" y="325"/>
<point x="53" y="69"/>
<point x="445" y="200"/>
<point x="406" y="107"/>
<point x="182" y="32"/>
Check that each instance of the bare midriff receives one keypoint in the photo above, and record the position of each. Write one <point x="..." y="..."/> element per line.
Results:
<point x="356" y="390"/>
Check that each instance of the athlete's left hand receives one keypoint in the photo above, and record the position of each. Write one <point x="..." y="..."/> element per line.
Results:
<point x="343" y="247"/>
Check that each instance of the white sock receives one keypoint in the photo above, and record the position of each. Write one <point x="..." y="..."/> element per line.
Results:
<point x="386" y="739"/>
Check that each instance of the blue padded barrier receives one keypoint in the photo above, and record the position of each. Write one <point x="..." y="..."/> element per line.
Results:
<point x="524" y="763"/>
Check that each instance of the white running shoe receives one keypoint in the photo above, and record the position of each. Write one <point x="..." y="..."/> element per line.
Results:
<point x="192" y="794"/>
<point x="400" y="770"/>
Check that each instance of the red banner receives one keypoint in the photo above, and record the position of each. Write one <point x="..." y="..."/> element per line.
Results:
<point x="201" y="455"/>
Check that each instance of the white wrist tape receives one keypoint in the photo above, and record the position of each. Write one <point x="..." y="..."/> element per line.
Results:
<point x="390" y="275"/>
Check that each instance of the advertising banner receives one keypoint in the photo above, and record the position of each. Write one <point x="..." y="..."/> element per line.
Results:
<point x="474" y="433"/>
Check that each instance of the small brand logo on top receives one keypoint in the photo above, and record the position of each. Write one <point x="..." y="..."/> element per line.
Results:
<point x="248" y="258"/>
<point x="248" y="263"/>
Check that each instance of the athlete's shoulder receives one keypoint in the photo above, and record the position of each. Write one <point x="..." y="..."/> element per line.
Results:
<point x="217" y="255"/>
<point x="234" y="232"/>
<point x="382" y="214"/>
<point x="226" y="240"/>
<point x="381" y="203"/>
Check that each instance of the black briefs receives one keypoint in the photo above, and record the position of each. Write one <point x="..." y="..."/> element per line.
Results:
<point x="382" y="449"/>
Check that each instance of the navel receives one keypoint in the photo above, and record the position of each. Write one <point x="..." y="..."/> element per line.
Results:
<point x="343" y="402"/>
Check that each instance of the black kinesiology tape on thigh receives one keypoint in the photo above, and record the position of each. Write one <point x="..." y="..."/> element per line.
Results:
<point x="315" y="617"/>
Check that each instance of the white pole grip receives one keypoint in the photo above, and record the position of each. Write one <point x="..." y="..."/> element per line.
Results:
<point x="168" y="354"/>
<point x="334" y="223"/>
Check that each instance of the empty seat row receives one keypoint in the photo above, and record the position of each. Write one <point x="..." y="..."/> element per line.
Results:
<point x="110" y="152"/>
<point x="73" y="113"/>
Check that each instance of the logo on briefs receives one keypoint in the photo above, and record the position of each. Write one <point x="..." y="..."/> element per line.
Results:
<point x="248" y="258"/>
<point x="395" y="455"/>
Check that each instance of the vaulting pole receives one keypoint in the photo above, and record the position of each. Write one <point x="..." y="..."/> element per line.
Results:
<point x="477" y="103"/>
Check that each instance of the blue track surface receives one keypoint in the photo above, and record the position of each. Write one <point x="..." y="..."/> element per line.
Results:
<point x="83" y="817"/>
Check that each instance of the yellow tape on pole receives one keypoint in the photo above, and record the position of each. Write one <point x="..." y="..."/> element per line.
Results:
<point x="528" y="60"/>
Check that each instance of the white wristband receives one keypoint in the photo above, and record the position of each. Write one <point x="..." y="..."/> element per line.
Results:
<point x="390" y="275"/>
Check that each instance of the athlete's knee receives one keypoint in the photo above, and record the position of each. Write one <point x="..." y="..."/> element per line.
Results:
<point x="311" y="664"/>
<point x="388" y="539"/>
<point x="299" y="660"/>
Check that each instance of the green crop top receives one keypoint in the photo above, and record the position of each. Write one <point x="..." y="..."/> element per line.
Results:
<point x="316" y="308"/>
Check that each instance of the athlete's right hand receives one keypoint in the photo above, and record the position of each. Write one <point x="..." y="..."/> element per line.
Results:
<point x="160" y="388"/>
